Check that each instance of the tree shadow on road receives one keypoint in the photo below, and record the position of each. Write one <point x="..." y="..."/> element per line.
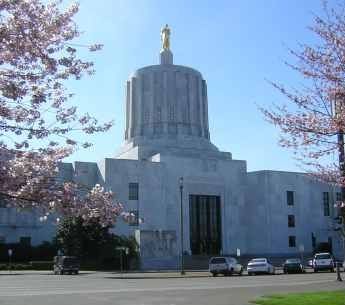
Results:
<point x="126" y="277"/>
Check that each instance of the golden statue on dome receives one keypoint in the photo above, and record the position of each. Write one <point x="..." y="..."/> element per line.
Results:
<point x="165" y="37"/>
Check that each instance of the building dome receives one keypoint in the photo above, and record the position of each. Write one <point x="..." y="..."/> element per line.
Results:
<point x="166" y="101"/>
<point x="167" y="108"/>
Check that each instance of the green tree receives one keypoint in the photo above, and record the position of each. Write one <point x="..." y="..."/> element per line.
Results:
<point x="93" y="243"/>
<point x="79" y="239"/>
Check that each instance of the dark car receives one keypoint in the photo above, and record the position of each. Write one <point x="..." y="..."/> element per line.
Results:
<point x="293" y="265"/>
<point x="66" y="264"/>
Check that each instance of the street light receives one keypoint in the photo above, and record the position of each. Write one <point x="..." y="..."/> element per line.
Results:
<point x="338" y="107"/>
<point x="181" y="216"/>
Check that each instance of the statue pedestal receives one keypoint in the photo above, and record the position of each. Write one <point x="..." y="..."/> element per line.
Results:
<point x="166" y="57"/>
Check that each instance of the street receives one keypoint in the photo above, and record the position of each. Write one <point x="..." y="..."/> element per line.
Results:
<point x="89" y="288"/>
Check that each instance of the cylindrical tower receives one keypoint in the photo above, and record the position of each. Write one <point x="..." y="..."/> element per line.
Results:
<point x="166" y="101"/>
<point x="166" y="109"/>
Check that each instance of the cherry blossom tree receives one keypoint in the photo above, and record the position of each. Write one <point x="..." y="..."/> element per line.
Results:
<point x="38" y="125"/>
<point x="312" y="122"/>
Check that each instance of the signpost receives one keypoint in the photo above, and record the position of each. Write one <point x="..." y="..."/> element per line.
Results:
<point x="122" y="249"/>
<point x="238" y="252"/>
<point x="10" y="253"/>
<point x="301" y="250"/>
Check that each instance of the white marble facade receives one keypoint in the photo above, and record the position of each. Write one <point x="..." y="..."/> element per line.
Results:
<point x="167" y="137"/>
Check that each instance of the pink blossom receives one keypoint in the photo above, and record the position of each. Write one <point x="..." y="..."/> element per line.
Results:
<point x="37" y="55"/>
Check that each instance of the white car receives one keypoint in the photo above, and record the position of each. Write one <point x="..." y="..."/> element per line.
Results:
<point x="323" y="261"/>
<point x="260" y="265"/>
<point x="224" y="265"/>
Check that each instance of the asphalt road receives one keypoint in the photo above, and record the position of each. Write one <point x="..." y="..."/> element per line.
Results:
<point x="42" y="288"/>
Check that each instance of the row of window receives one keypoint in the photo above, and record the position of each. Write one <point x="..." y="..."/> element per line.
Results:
<point x="291" y="218"/>
<point x="292" y="241"/>
<point x="133" y="194"/>
<point x="24" y="240"/>
<point x="325" y="199"/>
<point x="133" y="191"/>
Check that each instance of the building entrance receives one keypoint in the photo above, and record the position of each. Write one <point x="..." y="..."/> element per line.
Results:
<point x="205" y="225"/>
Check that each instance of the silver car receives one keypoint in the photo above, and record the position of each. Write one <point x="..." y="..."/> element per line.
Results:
<point x="260" y="265"/>
<point x="323" y="261"/>
<point x="224" y="265"/>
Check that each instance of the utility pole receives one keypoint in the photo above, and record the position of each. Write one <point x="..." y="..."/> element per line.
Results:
<point x="181" y="220"/>
<point x="339" y="107"/>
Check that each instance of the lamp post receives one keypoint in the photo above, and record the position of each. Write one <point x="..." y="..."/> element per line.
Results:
<point x="340" y="139"/>
<point x="181" y="220"/>
<point x="339" y="107"/>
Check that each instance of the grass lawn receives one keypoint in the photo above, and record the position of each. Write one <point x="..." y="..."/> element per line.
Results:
<point x="308" y="298"/>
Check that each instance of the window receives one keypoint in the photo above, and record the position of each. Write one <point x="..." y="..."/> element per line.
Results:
<point x="2" y="239"/>
<point x="218" y="260"/>
<point x="133" y="191"/>
<point x="291" y="221"/>
<point x="338" y="196"/>
<point x="2" y="201"/>
<point x="330" y="244"/>
<point x="313" y="241"/>
<point x="134" y="218"/>
<point x="258" y="260"/>
<point x="323" y="256"/>
<point x="290" y="197"/>
<point x="292" y="241"/>
<point x="25" y="240"/>
<point x="325" y="203"/>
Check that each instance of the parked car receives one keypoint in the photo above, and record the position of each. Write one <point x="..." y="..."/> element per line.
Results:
<point x="260" y="265"/>
<point x="66" y="264"/>
<point x="293" y="265"/>
<point x="225" y="265"/>
<point x="323" y="261"/>
<point x="310" y="262"/>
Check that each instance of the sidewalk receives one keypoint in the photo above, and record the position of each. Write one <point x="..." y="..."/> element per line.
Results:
<point x="160" y="274"/>
<point x="116" y="274"/>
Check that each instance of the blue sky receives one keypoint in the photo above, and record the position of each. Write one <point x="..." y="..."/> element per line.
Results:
<point x="236" y="45"/>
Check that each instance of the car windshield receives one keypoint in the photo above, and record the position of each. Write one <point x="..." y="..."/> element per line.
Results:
<point x="293" y="261"/>
<point x="70" y="261"/>
<point x="323" y="256"/>
<point x="218" y="260"/>
<point x="258" y="260"/>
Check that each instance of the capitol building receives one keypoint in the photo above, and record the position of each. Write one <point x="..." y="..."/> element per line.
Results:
<point x="187" y="195"/>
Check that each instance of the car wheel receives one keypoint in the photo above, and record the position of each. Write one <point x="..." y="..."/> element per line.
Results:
<point x="214" y="274"/>
<point x="250" y="274"/>
<point x="315" y="270"/>
<point x="76" y="272"/>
